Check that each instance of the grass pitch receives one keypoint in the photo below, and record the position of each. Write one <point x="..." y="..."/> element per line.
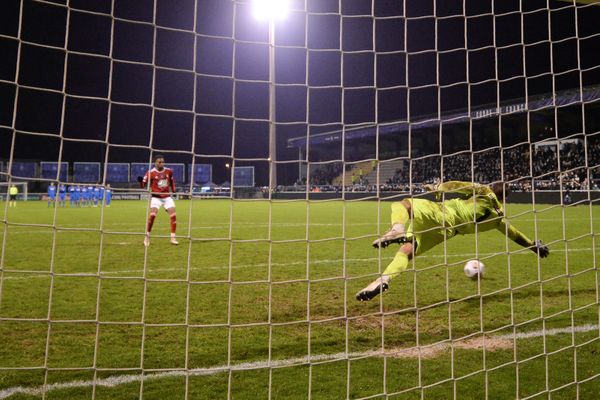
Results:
<point x="257" y="287"/>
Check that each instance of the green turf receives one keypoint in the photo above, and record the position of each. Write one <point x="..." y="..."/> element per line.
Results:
<point x="262" y="281"/>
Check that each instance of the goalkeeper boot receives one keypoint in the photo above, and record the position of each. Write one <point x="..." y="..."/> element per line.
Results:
<point x="376" y="287"/>
<point x="147" y="240"/>
<point x="394" y="235"/>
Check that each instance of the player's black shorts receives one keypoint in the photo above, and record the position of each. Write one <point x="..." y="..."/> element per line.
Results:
<point x="13" y="197"/>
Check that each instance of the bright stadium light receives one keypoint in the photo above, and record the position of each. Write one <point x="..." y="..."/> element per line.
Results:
<point x="270" y="9"/>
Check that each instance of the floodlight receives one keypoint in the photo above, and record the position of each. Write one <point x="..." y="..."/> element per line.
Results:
<point x="270" y="9"/>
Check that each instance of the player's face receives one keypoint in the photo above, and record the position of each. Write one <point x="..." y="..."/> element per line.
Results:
<point x="499" y="189"/>
<point x="159" y="164"/>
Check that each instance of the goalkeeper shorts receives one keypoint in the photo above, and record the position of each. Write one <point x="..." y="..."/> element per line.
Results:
<point x="427" y="225"/>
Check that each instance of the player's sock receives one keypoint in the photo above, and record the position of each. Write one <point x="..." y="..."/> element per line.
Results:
<point x="398" y="264"/>
<point x="173" y="218"/>
<point x="150" y="222"/>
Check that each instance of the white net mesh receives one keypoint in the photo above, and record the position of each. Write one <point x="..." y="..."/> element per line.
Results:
<point x="307" y="126"/>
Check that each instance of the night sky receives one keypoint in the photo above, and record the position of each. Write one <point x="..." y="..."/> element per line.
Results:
<point x="414" y="58"/>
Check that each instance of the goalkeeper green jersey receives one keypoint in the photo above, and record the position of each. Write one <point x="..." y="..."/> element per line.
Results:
<point x="478" y="210"/>
<point x="482" y="210"/>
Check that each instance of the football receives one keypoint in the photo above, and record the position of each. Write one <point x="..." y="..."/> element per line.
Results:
<point x="474" y="269"/>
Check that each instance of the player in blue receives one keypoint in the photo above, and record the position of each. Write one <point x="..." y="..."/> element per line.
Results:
<point x="107" y="195"/>
<point x="77" y="196"/>
<point x="101" y="196"/>
<point x="72" y="196"/>
<point x="62" y="194"/>
<point x="90" y="192"/>
<point x="96" y="192"/>
<point x="51" y="194"/>
<point x="84" y="196"/>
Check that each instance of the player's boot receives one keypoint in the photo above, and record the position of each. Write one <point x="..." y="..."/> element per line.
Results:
<point x="147" y="240"/>
<point x="394" y="235"/>
<point x="376" y="287"/>
<point x="174" y="241"/>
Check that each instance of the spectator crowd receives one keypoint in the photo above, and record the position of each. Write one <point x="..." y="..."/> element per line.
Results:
<point x="568" y="165"/>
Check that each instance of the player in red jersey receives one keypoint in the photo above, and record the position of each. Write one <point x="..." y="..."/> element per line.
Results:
<point x="161" y="182"/>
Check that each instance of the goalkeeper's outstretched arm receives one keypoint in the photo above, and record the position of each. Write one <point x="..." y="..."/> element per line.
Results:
<point x="519" y="238"/>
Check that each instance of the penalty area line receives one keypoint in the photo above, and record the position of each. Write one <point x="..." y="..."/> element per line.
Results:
<point x="427" y="351"/>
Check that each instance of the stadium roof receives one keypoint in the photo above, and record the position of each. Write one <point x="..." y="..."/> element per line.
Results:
<point x="538" y="103"/>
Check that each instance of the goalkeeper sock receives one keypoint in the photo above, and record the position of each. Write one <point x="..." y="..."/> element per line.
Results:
<point x="399" y="214"/>
<point x="150" y="222"/>
<point x="398" y="264"/>
<point x="173" y="218"/>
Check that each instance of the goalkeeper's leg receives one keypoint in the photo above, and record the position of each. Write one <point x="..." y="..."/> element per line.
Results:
<point x="381" y="284"/>
<point x="419" y="244"/>
<point x="400" y="218"/>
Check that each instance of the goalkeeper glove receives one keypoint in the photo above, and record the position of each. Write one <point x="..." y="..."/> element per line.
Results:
<point x="541" y="249"/>
<point x="140" y="179"/>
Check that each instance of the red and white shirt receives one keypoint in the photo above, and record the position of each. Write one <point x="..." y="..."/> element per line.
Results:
<point x="161" y="182"/>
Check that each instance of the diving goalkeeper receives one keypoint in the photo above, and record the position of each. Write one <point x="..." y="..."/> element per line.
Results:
<point x="479" y="209"/>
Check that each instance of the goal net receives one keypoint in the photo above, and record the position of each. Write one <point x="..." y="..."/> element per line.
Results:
<point x="298" y="140"/>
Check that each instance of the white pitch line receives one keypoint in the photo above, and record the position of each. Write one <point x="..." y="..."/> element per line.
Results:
<point x="288" y="264"/>
<point x="550" y="332"/>
<point x="118" y="380"/>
